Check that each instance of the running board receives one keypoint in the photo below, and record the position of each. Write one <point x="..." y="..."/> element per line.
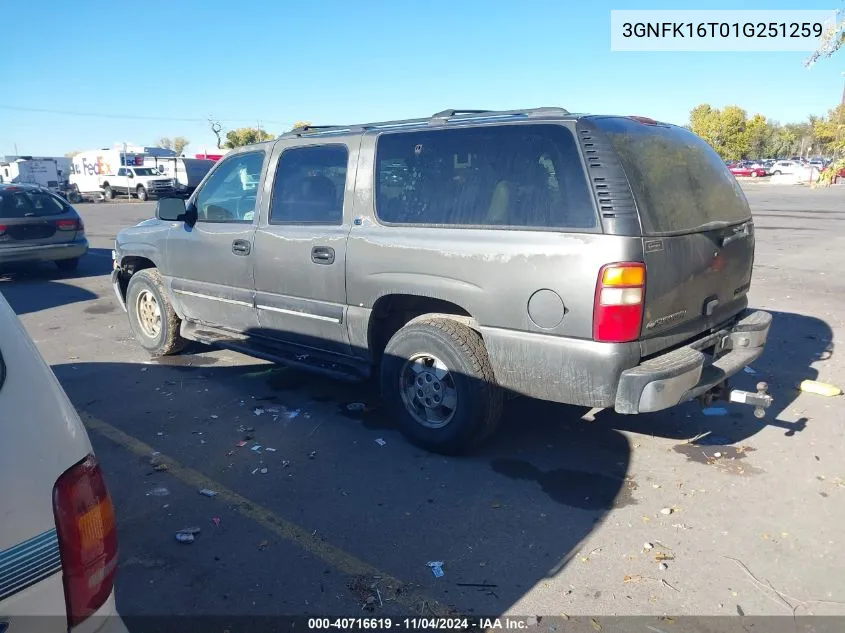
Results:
<point x="331" y="365"/>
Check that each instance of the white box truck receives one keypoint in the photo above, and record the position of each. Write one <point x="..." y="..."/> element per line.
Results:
<point x="32" y="171"/>
<point x="187" y="173"/>
<point x="113" y="172"/>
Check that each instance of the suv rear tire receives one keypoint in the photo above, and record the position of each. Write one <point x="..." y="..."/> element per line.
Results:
<point x="437" y="378"/>
<point x="151" y="316"/>
<point x="142" y="193"/>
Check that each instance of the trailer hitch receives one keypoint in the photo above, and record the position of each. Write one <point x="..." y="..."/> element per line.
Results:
<point x="761" y="400"/>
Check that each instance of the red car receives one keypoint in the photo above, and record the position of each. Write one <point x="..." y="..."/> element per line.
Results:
<point x="838" y="177"/>
<point x="753" y="172"/>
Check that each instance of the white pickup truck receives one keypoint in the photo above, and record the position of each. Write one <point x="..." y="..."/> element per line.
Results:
<point x="112" y="172"/>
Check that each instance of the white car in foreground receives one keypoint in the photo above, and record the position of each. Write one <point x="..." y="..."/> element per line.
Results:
<point x="58" y="535"/>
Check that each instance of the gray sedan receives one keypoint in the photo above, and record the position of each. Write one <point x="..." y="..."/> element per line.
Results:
<point x="37" y="225"/>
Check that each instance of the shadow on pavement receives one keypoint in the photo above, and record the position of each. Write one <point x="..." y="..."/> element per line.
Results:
<point x="504" y="520"/>
<point x="40" y="286"/>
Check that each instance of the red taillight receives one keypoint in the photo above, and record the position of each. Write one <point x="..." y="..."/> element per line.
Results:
<point x="68" y="225"/>
<point x="87" y="538"/>
<point x="618" y="307"/>
<point x="2" y="230"/>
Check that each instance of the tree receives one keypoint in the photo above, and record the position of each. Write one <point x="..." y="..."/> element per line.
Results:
<point x="732" y="131"/>
<point x="831" y="41"/>
<point x="723" y="129"/>
<point x="830" y="130"/>
<point x="179" y="144"/>
<point x="72" y="153"/>
<point x="299" y="124"/>
<point x="245" y="136"/>
<point x="704" y="121"/>
<point x="165" y="142"/>
<point x="216" y="129"/>
<point x="757" y="133"/>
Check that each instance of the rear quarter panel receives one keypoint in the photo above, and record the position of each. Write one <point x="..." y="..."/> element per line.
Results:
<point x="41" y="436"/>
<point x="492" y="274"/>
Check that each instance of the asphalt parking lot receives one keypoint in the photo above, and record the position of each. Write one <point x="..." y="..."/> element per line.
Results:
<point x="550" y="518"/>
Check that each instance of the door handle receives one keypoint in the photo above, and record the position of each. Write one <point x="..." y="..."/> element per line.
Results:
<point x="322" y="255"/>
<point x="240" y="247"/>
<point x="738" y="234"/>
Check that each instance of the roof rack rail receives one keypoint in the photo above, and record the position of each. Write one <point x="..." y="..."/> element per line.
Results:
<point x="310" y="128"/>
<point x="546" y="111"/>
<point x="448" y="114"/>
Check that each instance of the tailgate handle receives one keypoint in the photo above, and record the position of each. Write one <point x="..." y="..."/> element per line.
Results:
<point x="738" y="234"/>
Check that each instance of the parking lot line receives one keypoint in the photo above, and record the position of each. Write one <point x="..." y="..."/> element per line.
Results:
<point x="284" y="529"/>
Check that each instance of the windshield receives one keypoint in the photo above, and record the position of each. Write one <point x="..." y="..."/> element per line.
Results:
<point x="146" y="171"/>
<point x="28" y="204"/>
<point x="679" y="182"/>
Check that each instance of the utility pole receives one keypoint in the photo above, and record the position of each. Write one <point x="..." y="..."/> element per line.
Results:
<point x="843" y="90"/>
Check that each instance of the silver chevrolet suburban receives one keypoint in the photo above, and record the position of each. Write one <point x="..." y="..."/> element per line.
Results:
<point x="601" y="261"/>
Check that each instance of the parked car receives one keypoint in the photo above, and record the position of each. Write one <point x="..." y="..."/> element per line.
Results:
<point x="186" y="173"/>
<point x="786" y="167"/>
<point x="58" y="544"/>
<point x="37" y="225"/>
<point x="112" y="172"/>
<point x="748" y="171"/>
<point x="512" y="256"/>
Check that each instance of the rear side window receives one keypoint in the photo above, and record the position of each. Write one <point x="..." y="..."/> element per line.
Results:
<point x="679" y="182"/>
<point x="515" y="176"/>
<point x="309" y="185"/>
<point x="29" y="204"/>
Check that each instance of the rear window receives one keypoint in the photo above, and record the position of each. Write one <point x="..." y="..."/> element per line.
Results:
<point x="29" y="204"/>
<point x="509" y="176"/>
<point x="679" y="182"/>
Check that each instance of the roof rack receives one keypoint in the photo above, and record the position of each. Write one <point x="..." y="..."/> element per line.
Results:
<point x="439" y="118"/>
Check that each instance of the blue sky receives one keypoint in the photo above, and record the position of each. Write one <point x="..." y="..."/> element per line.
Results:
<point x="330" y="61"/>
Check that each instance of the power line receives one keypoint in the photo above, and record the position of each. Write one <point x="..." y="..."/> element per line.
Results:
<point x="137" y="117"/>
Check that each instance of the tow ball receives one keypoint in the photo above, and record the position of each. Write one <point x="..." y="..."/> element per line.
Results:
<point x="761" y="400"/>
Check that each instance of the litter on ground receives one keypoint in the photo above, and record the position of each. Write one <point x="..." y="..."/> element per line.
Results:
<point x="270" y="450"/>
<point x="820" y="388"/>
<point x="241" y="443"/>
<point x="749" y="370"/>
<point x="436" y="568"/>
<point x="187" y="535"/>
<point x="256" y="448"/>
<point x="258" y="411"/>
<point x="380" y="441"/>
<point x="356" y="406"/>
<point x="216" y="521"/>
<point x="207" y="492"/>
<point x="715" y="411"/>
<point x="159" y="491"/>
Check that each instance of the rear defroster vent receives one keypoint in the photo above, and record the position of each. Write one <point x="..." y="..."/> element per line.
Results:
<point x="607" y="178"/>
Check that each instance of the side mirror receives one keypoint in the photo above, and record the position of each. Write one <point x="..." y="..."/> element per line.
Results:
<point x="131" y="174"/>
<point x="170" y="209"/>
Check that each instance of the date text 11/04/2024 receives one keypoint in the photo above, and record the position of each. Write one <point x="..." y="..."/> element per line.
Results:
<point x="419" y="624"/>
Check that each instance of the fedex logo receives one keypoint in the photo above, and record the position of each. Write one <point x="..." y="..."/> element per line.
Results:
<point x="95" y="168"/>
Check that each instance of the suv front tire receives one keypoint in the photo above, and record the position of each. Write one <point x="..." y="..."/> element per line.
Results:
<point x="437" y="378"/>
<point x="151" y="316"/>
